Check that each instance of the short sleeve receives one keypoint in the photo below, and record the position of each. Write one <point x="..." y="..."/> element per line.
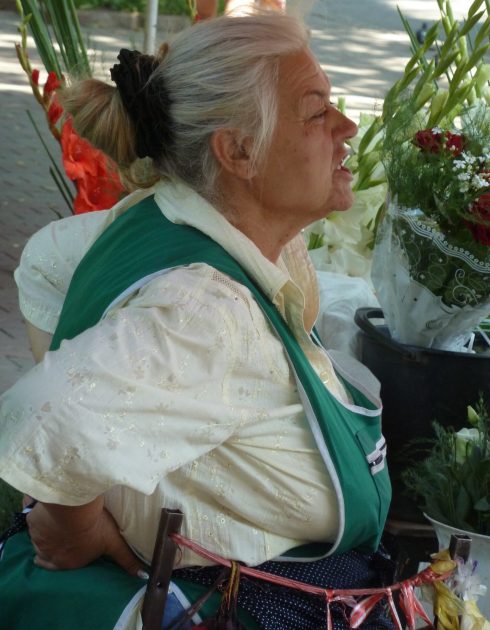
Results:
<point x="52" y="255"/>
<point x="48" y="262"/>
<point x="128" y="401"/>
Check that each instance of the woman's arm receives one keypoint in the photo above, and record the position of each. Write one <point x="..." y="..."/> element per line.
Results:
<point x="66" y="537"/>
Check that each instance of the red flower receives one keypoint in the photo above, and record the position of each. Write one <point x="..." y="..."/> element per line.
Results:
<point x="52" y="83"/>
<point x="77" y="154"/>
<point x="54" y="112"/>
<point x="432" y="141"/>
<point x="481" y="209"/>
<point x="35" y="77"/>
<point x="97" y="193"/>
<point x="98" y="184"/>
<point x="428" y="141"/>
<point x="454" y="143"/>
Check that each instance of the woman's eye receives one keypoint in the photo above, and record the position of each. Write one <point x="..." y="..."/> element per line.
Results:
<point x="319" y="115"/>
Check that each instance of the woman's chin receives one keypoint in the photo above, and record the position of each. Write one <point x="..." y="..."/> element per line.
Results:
<point x="343" y="204"/>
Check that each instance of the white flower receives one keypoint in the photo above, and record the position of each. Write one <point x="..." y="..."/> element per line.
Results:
<point x="466" y="581"/>
<point x="465" y="438"/>
<point x="468" y="157"/>
<point x="479" y="182"/>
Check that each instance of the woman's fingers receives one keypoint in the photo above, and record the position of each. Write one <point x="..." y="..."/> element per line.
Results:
<point x="45" y="564"/>
<point x="117" y="548"/>
<point x="71" y="537"/>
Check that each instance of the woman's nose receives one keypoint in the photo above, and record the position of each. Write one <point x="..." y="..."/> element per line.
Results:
<point x="346" y="126"/>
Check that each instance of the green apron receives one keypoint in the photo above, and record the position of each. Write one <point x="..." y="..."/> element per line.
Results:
<point x="142" y="244"/>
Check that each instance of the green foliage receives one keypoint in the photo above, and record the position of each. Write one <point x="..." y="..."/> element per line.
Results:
<point x="439" y="87"/>
<point x="452" y="482"/>
<point x="52" y="21"/>
<point x="165" y="7"/>
<point x="10" y="502"/>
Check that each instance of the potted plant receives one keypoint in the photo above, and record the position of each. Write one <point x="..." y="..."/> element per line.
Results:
<point x="451" y="483"/>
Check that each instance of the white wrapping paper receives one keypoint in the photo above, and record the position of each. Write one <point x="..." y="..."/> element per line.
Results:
<point x="432" y="291"/>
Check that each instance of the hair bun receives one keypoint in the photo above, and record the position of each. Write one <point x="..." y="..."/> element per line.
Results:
<point x="131" y="77"/>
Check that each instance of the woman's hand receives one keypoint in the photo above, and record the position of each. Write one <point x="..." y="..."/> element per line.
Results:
<point x="67" y="537"/>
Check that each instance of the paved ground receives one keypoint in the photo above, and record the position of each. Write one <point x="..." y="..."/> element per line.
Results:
<point x="360" y="43"/>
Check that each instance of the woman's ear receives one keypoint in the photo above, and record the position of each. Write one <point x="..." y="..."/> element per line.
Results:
<point x="232" y="150"/>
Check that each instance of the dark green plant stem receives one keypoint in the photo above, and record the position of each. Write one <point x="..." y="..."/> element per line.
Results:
<point x="68" y="192"/>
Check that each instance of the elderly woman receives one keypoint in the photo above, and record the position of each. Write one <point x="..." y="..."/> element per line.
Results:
<point x="185" y="371"/>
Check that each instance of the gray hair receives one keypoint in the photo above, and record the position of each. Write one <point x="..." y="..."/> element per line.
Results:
<point x="223" y="73"/>
<point x="220" y="73"/>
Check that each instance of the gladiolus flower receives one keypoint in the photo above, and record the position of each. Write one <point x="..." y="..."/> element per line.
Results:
<point x="95" y="176"/>
<point x="97" y="193"/>
<point x="54" y="112"/>
<point x="52" y="84"/>
<point x="35" y="76"/>
<point x="77" y="154"/>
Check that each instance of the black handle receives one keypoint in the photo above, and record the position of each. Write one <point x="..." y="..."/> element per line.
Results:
<point x="362" y="317"/>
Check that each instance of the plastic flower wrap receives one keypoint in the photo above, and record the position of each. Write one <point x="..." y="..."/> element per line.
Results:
<point x="431" y="264"/>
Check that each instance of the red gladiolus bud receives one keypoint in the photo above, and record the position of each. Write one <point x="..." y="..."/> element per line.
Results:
<point x="52" y="83"/>
<point x="54" y="112"/>
<point x="35" y="77"/>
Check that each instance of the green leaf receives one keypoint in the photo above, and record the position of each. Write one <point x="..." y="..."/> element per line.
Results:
<point x="42" y="37"/>
<point x="474" y="7"/>
<point x="482" y="505"/>
<point x="475" y="57"/>
<point x="470" y="23"/>
<point x="52" y="160"/>
<point x="370" y="133"/>
<point x="482" y="33"/>
<point x="444" y="63"/>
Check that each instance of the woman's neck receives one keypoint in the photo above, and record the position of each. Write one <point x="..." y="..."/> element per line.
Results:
<point x="269" y="231"/>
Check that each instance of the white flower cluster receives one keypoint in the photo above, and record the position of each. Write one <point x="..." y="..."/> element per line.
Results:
<point x="469" y="171"/>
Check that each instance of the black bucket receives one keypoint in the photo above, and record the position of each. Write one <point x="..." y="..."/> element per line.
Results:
<point x="418" y="386"/>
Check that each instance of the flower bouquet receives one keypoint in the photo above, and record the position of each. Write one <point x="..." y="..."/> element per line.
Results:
<point x="431" y="263"/>
<point x="448" y="71"/>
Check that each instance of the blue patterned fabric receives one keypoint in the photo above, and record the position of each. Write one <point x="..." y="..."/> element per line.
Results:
<point x="279" y="608"/>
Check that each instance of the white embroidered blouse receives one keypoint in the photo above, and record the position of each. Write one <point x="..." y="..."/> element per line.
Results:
<point x="181" y="396"/>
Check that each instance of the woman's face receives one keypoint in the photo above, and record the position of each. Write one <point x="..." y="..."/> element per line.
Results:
<point x="303" y="177"/>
